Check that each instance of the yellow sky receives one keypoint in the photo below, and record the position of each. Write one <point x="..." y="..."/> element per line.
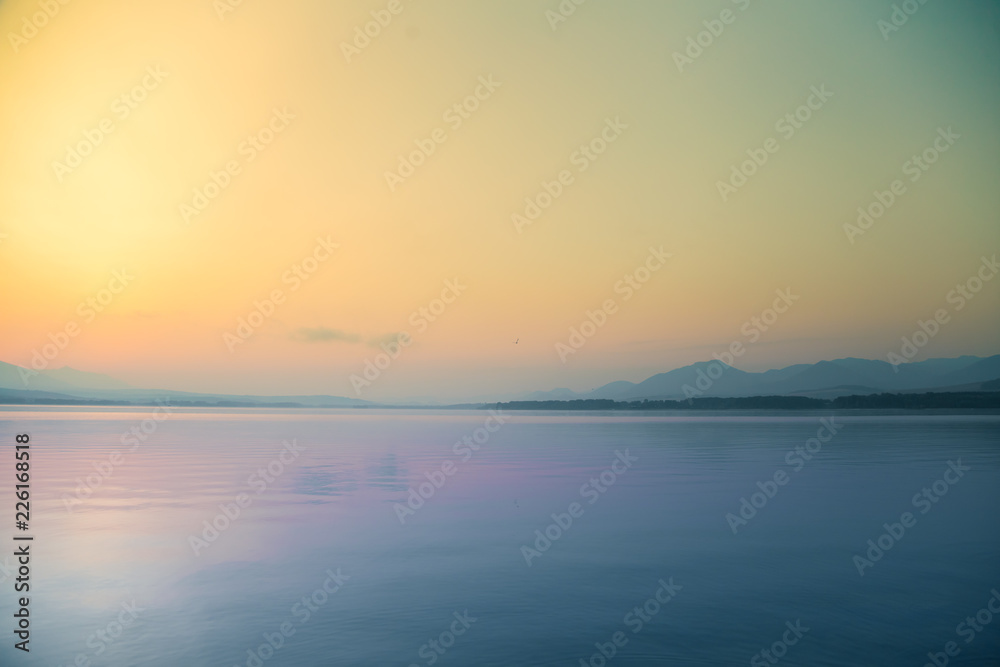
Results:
<point x="199" y="86"/>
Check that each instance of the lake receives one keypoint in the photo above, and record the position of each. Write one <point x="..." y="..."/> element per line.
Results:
<point x="252" y="537"/>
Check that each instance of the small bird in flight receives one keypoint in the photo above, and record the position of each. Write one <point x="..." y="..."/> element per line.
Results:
<point x="515" y="342"/>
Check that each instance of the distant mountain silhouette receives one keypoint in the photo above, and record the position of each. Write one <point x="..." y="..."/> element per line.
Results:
<point x="825" y="379"/>
<point x="86" y="380"/>
<point x="974" y="400"/>
<point x="11" y="378"/>
<point x="70" y="385"/>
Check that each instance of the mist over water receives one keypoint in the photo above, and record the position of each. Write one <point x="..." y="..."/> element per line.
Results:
<point x="359" y="537"/>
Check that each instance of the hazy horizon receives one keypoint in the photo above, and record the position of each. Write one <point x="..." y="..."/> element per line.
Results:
<point x="495" y="396"/>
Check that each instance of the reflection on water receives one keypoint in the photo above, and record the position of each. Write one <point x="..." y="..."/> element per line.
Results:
<point x="380" y="539"/>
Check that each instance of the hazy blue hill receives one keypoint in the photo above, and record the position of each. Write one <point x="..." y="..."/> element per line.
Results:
<point x="85" y="379"/>
<point x="731" y="382"/>
<point x="10" y="378"/>
<point x="872" y="373"/>
<point x="19" y="396"/>
<point x="560" y="394"/>
<point x="825" y="379"/>
<point x="942" y="366"/>
<point x="612" y="389"/>
<point x="778" y="374"/>
<point x="839" y="373"/>
<point x="981" y="370"/>
<point x="72" y="385"/>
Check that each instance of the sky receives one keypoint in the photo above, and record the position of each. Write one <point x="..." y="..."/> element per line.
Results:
<point x="261" y="198"/>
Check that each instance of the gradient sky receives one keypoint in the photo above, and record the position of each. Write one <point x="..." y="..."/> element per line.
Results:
<point x="655" y="185"/>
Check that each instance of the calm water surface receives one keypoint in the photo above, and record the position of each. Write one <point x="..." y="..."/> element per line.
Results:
<point x="125" y="570"/>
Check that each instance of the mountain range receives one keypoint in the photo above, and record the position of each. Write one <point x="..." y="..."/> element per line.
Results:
<point x="825" y="379"/>
<point x="70" y="385"/>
